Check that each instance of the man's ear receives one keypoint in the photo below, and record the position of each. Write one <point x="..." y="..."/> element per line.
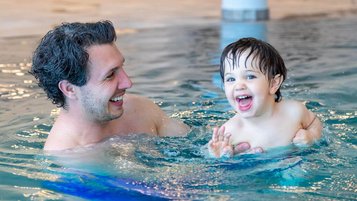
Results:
<point x="68" y="89"/>
<point x="275" y="83"/>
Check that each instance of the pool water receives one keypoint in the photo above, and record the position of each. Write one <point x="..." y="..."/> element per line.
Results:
<point x="177" y="67"/>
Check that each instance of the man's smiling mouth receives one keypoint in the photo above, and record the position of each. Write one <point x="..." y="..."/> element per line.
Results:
<point x="116" y="99"/>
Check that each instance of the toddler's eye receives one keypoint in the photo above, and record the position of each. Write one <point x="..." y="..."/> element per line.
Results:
<point x="230" y="79"/>
<point x="250" y="77"/>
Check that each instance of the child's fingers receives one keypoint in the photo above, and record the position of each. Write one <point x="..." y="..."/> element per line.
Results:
<point x="215" y="134"/>
<point x="221" y="130"/>
<point x="220" y="137"/>
<point x="221" y="133"/>
<point x="226" y="139"/>
<point x="212" y="149"/>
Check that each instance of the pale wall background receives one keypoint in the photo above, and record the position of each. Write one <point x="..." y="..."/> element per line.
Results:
<point x="36" y="17"/>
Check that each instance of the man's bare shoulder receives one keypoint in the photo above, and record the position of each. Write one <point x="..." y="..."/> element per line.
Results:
<point x="137" y="99"/>
<point x="57" y="141"/>
<point x="62" y="133"/>
<point x="144" y="113"/>
<point x="140" y="103"/>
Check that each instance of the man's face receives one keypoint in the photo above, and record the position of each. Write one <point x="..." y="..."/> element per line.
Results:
<point x="101" y="99"/>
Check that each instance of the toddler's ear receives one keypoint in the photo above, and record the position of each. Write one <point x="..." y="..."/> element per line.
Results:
<point x="275" y="83"/>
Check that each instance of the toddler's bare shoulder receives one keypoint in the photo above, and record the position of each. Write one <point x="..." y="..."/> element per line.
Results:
<point x="293" y="107"/>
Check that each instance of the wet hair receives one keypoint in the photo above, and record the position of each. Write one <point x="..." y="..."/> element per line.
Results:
<point x="269" y="60"/>
<point x="62" y="55"/>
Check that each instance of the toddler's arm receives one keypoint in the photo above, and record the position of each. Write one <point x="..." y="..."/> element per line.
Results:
<point x="311" y="132"/>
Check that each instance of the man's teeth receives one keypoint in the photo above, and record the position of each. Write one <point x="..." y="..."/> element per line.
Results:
<point x="118" y="98"/>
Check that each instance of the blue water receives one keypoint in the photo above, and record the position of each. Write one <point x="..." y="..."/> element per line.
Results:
<point x="177" y="67"/>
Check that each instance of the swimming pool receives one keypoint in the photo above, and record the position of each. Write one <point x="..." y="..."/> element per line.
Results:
<point x="177" y="67"/>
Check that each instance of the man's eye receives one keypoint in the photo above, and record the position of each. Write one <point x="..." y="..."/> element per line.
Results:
<point x="230" y="79"/>
<point x="111" y="75"/>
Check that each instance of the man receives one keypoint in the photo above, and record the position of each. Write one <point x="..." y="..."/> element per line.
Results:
<point x="82" y="71"/>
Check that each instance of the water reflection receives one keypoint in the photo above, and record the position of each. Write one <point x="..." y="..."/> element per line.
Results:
<point x="174" y="67"/>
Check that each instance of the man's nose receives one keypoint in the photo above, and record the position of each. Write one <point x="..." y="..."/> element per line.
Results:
<point x="124" y="81"/>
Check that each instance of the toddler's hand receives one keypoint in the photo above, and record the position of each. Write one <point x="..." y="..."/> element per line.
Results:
<point x="219" y="145"/>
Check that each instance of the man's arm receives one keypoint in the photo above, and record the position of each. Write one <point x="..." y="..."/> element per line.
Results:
<point x="167" y="126"/>
<point x="142" y="116"/>
<point x="163" y="124"/>
<point x="172" y="127"/>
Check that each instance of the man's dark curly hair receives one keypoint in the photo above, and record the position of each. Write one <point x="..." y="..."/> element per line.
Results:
<point x="269" y="60"/>
<point x="62" y="55"/>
